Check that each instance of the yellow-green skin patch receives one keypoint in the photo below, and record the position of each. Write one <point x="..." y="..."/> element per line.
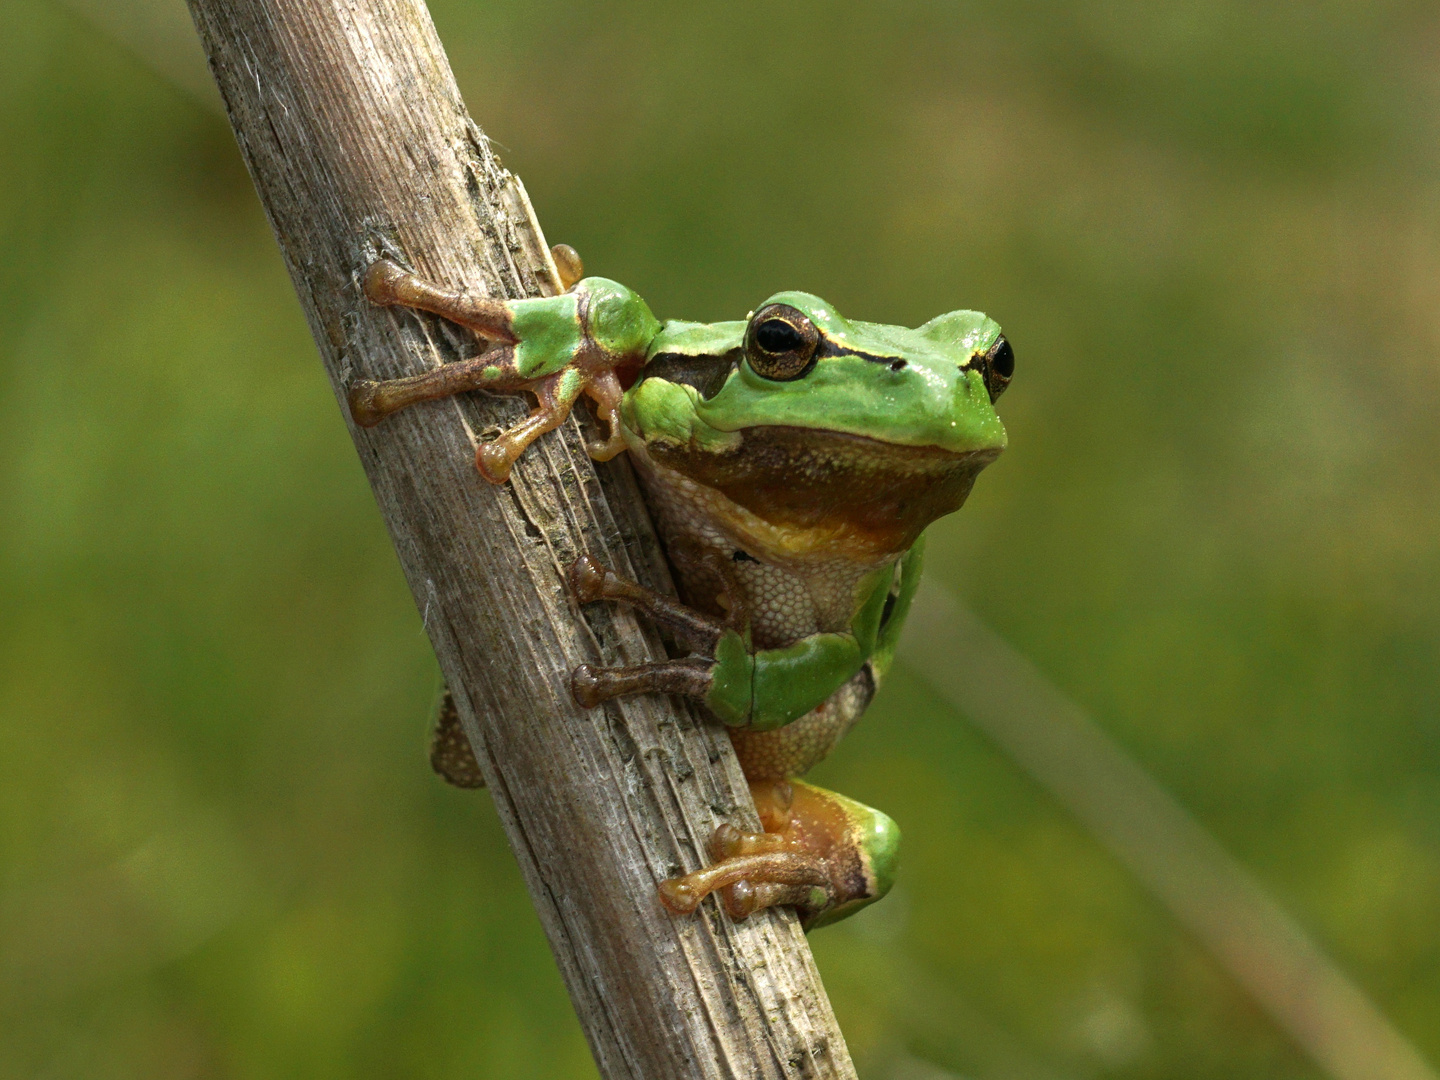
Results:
<point x="875" y="837"/>
<point x="553" y="331"/>
<point x="766" y="689"/>
<point x="549" y="332"/>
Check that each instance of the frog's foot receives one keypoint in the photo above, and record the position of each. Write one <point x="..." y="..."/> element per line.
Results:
<point x="751" y="871"/>
<point x="388" y="285"/>
<point x="451" y="755"/>
<point x="821" y="853"/>
<point x="690" y="677"/>
<point x="603" y="388"/>
<point x="590" y="582"/>
<point x="371" y="402"/>
<point x="555" y="396"/>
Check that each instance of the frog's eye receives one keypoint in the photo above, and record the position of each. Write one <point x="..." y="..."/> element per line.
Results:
<point x="999" y="366"/>
<point x="780" y="343"/>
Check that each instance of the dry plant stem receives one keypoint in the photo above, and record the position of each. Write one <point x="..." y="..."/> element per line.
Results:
<point x="350" y="122"/>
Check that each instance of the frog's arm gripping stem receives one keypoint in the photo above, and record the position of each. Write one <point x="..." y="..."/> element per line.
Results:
<point x="388" y="285"/>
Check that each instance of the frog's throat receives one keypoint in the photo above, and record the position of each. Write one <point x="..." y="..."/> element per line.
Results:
<point x="807" y="491"/>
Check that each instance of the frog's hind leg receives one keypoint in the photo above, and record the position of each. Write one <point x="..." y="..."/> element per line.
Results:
<point x="824" y="854"/>
<point x="689" y="677"/>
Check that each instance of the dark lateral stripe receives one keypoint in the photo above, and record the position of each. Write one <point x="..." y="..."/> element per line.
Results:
<point x="706" y="373"/>
<point x="830" y="348"/>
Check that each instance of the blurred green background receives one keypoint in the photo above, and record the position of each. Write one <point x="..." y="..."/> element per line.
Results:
<point x="1211" y="230"/>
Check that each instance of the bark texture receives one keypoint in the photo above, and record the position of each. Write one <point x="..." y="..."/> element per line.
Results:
<point x="354" y="132"/>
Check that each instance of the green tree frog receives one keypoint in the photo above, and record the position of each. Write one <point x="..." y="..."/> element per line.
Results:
<point x="793" y="460"/>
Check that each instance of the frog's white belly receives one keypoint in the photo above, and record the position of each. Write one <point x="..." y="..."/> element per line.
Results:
<point x="789" y="596"/>
<point x="719" y="548"/>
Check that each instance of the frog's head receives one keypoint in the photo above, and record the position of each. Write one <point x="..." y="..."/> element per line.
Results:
<point x="817" y="423"/>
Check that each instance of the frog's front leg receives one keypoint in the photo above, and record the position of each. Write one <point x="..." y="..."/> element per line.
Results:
<point x="721" y="677"/>
<point x="557" y="348"/>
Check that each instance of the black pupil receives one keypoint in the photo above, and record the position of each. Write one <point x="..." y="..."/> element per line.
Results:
<point x="777" y="336"/>
<point x="1002" y="359"/>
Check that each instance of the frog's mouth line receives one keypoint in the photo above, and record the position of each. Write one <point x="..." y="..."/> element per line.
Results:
<point x="884" y="494"/>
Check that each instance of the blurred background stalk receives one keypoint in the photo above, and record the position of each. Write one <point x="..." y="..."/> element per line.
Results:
<point x="1211" y="895"/>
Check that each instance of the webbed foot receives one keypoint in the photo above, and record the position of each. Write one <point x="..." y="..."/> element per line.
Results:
<point x="821" y="853"/>
<point x="557" y="381"/>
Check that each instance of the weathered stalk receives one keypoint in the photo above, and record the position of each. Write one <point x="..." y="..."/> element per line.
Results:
<point x="354" y="132"/>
